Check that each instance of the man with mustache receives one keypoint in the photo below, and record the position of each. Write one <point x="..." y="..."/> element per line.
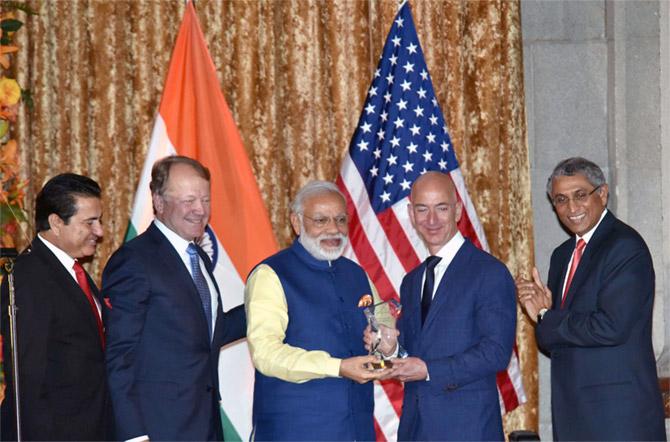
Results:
<point x="166" y="325"/>
<point x="63" y="387"/>
<point x="304" y="330"/>
<point x="594" y="316"/>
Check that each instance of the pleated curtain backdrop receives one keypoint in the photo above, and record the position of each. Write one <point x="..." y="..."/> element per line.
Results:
<point x="295" y="74"/>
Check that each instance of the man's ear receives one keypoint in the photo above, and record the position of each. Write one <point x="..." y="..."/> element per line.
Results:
<point x="158" y="203"/>
<point x="56" y="223"/>
<point x="410" y="212"/>
<point x="295" y="223"/>
<point x="459" y="210"/>
<point x="603" y="193"/>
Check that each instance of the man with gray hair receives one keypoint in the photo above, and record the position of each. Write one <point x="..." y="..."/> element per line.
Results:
<point x="594" y="316"/>
<point x="304" y="330"/>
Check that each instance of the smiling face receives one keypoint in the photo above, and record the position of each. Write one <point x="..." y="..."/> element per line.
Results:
<point x="434" y="209"/>
<point x="322" y="226"/>
<point x="80" y="236"/>
<point x="578" y="216"/>
<point x="184" y="206"/>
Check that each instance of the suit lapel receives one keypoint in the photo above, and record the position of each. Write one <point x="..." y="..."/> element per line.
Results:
<point x="449" y="283"/>
<point x="556" y="286"/>
<point x="209" y="268"/>
<point x="70" y="287"/>
<point x="411" y="300"/>
<point x="180" y="276"/>
<point x="585" y="263"/>
<point x="210" y="271"/>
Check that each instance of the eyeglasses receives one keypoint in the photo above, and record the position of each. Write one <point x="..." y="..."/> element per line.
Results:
<point x="578" y="197"/>
<point x="323" y="221"/>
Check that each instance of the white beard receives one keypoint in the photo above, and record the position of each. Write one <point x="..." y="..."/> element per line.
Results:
<point x="313" y="245"/>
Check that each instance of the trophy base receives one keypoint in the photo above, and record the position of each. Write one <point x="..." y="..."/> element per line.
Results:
<point x="381" y="364"/>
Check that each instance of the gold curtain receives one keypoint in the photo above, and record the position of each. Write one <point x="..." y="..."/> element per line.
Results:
<point x="295" y="74"/>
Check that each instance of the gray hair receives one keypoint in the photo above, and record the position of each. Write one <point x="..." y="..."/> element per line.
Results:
<point x="574" y="166"/>
<point x="313" y="188"/>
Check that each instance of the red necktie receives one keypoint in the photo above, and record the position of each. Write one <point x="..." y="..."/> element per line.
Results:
<point x="83" y="283"/>
<point x="579" y="250"/>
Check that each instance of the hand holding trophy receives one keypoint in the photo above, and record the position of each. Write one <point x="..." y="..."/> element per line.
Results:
<point x="381" y="338"/>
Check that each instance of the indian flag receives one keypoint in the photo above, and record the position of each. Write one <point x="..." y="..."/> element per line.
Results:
<point x="194" y="120"/>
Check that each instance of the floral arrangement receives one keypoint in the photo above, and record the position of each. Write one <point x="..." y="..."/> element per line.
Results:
<point x="11" y="185"/>
<point x="11" y="95"/>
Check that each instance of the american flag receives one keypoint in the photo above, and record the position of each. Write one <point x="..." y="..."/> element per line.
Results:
<point x="401" y="134"/>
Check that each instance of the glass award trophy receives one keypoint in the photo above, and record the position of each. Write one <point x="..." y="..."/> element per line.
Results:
<point x="370" y="310"/>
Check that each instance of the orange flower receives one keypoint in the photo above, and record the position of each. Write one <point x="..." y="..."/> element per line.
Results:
<point x="9" y="155"/>
<point x="9" y="112"/>
<point x="10" y="91"/>
<point x="4" y="50"/>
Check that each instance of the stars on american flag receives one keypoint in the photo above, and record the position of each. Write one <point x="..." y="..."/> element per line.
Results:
<point x="401" y="132"/>
<point x="400" y="135"/>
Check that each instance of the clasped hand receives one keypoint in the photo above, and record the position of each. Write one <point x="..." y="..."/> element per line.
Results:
<point x="533" y="295"/>
<point x="385" y="341"/>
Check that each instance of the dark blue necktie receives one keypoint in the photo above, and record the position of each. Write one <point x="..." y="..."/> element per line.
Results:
<point x="201" y="285"/>
<point x="428" y="285"/>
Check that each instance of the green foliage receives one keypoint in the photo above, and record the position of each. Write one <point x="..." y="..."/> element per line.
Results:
<point x="12" y="211"/>
<point x="10" y="25"/>
<point x="27" y="98"/>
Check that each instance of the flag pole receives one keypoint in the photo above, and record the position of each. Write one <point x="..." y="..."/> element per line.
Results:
<point x="8" y="267"/>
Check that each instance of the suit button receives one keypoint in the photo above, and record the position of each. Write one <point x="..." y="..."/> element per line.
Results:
<point x="452" y="387"/>
<point x="210" y="389"/>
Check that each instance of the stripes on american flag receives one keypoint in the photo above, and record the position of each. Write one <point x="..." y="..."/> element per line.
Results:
<point x="401" y="134"/>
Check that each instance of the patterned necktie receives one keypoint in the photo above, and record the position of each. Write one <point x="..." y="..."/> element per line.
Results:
<point x="428" y="285"/>
<point x="579" y="250"/>
<point x="82" y="280"/>
<point x="201" y="285"/>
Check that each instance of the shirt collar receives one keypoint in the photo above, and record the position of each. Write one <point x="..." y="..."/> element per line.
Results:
<point x="63" y="257"/>
<point x="449" y="250"/>
<point x="179" y="243"/>
<point x="587" y="236"/>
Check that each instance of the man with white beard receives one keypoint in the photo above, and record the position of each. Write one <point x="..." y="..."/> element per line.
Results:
<point x="304" y="330"/>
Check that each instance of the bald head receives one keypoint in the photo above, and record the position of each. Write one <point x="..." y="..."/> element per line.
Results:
<point x="434" y="180"/>
<point x="434" y="209"/>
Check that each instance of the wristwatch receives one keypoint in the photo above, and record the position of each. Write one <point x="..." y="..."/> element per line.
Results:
<point x="540" y="314"/>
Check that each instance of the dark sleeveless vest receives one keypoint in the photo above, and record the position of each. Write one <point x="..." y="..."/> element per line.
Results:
<point x="322" y="299"/>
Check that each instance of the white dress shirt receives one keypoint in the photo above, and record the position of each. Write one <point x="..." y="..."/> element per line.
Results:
<point x="587" y="237"/>
<point x="68" y="263"/>
<point x="447" y="253"/>
<point x="180" y="245"/>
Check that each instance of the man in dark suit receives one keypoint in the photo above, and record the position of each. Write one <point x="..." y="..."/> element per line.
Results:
<point x="166" y="324"/>
<point x="594" y="317"/>
<point x="63" y="388"/>
<point x="457" y="326"/>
